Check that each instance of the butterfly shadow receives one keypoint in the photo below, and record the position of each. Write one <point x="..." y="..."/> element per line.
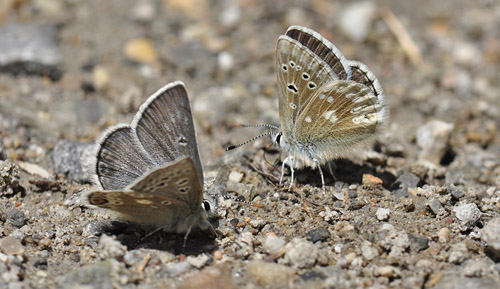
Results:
<point x="344" y="171"/>
<point x="134" y="236"/>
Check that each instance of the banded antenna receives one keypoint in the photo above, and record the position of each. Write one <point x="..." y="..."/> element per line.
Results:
<point x="270" y="126"/>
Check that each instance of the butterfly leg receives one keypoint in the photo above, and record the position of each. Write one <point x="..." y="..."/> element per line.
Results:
<point x="288" y="160"/>
<point x="186" y="237"/>
<point x="331" y="170"/>
<point x="321" y="173"/>
<point x="148" y="235"/>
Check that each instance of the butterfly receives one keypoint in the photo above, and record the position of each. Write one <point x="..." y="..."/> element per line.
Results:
<point x="150" y="172"/>
<point x="328" y="105"/>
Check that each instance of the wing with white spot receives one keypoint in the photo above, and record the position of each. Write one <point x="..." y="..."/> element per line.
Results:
<point x="340" y="115"/>
<point x="300" y="73"/>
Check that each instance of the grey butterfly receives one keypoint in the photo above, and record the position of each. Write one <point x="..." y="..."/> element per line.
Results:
<point x="150" y="172"/>
<point x="328" y="105"/>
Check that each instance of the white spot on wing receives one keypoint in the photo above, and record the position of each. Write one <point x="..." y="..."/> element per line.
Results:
<point x="322" y="96"/>
<point x="330" y="115"/>
<point x="329" y="99"/>
<point x="292" y="105"/>
<point x="308" y="119"/>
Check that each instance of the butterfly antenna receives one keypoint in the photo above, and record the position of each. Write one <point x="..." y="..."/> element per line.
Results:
<point x="248" y="141"/>
<point x="258" y="125"/>
<point x="254" y="138"/>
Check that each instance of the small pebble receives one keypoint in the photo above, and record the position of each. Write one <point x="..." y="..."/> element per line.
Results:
<point x="371" y="180"/>
<point x="432" y="139"/>
<point x="491" y="236"/>
<point x="247" y="238"/>
<point x="225" y="61"/>
<point x="300" y="253"/>
<point x="404" y="182"/>
<point x="258" y="223"/>
<point x="100" y="77"/>
<point x="235" y="177"/>
<point x="16" y="218"/>
<point x="443" y="235"/>
<point x="319" y="234"/>
<point x="109" y="247"/>
<point x="140" y="50"/>
<point x="218" y="255"/>
<point x="369" y="251"/>
<point x="356" y="20"/>
<point x="143" y="11"/>
<point x="198" y="261"/>
<point x="435" y="205"/>
<point x="387" y="271"/>
<point x="270" y="274"/>
<point x="176" y="269"/>
<point x="273" y="245"/>
<point x="458" y="253"/>
<point x="11" y="246"/>
<point x="383" y="214"/>
<point x="468" y="214"/>
<point x="455" y="192"/>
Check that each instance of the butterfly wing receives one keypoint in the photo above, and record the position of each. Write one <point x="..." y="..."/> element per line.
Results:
<point x="120" y="158"/>
<point x="177" y="180"/>
<point x="342" y="114"/>
<point x="322" y="48"/>
<point x="164" y="126"/>
<point x="164" y="197"/>
<point x="300" y="72"/>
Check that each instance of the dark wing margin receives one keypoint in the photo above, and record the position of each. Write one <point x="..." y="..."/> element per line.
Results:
<point x="323" y="48"/>
<point x="164" y="126"/>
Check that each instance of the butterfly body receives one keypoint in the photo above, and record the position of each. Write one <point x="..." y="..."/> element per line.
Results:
<point x="328" y="105"/>
<point x="149" y="172"/>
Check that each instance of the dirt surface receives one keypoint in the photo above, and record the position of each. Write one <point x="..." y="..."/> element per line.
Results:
<point x="417" y="209"/>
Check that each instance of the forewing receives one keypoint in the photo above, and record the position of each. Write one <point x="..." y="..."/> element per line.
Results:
<point x="176" y="181"/>
<point x="342" y="114"/>
<point x="323" y="48"/>
<point x="120" y="158"/>
<point x="300" y="73"/>
<point x="164" y="126"/>
<point x="361" y="74"/>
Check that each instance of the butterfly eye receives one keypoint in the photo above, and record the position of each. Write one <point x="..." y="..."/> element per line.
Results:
<point x="277" y="139"/>
<point x="205" y="205"/>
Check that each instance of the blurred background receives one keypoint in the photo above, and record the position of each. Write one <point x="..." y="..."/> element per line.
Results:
<point x="70" y="68"/>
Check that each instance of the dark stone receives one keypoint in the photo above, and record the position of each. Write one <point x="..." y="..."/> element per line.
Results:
<point x="74" y="160"/>
<point x="30" y="49"/>
<point x="435" y="206"/>
<point x="318" y="234"/>
<point x="403" y="182"/>
<point x="16" y="218"/>
<point x="40" y="262"/>
<point x="312" y="275"/>
<point x="455" y="192"/>
<point x="418" y="243"/>
<point x="97" y="228"/>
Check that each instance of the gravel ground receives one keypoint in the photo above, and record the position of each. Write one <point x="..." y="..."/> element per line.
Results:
<point x="417" y="209"/>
